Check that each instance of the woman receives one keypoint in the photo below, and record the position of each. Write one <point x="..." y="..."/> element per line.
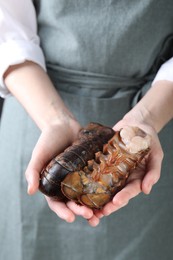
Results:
<point x="102" y="57"/>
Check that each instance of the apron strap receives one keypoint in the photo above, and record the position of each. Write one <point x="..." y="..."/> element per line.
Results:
<point x="92" y="80"/>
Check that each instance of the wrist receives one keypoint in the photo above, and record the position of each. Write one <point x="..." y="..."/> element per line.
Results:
<point x="63" y="120"/>
<point x="140" y="116"/>
<point x="155" y="108"/>
<point x="30" y="84"/>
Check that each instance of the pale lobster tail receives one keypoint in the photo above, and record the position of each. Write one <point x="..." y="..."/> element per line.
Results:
<point x="107" y="173"/>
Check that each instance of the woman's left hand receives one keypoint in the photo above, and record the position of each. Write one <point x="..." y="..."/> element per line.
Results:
<point x="142" y="178"/>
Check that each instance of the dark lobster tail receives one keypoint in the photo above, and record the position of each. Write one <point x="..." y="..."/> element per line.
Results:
<point x="74" y="158"/>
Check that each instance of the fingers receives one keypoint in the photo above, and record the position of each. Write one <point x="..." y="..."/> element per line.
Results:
<point x="32" y="178"/>
<point x="68" y="211"/>
<point x="94" y="221"/>
<point x="32" y="175"/>
<point x="40" y="156"/>
<point x="85" y="212"/>
<point x="98" y="214"/>
<point x="154" y="163"/>
<point x="122" y="198"/>
<point x="61" y="210"/>
<point x="153" y="171"/>
<point x="80" y="210"/>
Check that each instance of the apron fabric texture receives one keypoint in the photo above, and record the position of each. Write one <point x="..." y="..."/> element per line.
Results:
<point x="101" y="56"/>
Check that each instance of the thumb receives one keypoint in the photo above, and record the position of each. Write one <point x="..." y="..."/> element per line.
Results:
<point x="154" y="165"/>
<point x="32" y="177"/>
<point x="32" y="173"/>
<point x="40" y="156"/>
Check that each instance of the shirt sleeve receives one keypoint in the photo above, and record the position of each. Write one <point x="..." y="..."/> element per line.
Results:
<point x="18" y="38"/>
<point x="165" y="72"/>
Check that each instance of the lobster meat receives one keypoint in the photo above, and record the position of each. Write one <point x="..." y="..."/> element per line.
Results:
<point x="96" y="166"/>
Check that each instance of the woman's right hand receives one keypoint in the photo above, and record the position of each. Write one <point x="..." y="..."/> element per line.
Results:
<point x="57" y="124"/>
<point x="53" y="140"/>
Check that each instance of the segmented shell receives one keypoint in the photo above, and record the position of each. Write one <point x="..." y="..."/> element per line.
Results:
<point x="91" y="140"/>
<point x="107" y="173"/>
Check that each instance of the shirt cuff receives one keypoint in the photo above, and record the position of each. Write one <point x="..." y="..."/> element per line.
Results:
<point x="165" y="72"/>
<point x="16" y="52"/>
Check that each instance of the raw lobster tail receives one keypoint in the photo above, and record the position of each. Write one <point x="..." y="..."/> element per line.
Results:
<point x="74" y="158"/>
<point x="107" y="173"/>
<point x="96" y="166"/>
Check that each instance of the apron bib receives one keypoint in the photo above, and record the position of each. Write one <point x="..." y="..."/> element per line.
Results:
<point x="101" y="56"/>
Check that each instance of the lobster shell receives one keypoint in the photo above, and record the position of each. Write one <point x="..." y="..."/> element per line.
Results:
<point x="96" y="166"/>
<point x="90" y="140"/>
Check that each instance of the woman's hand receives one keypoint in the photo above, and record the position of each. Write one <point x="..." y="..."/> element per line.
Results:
<point x="53" y="140"/>
<point x="57" y="124"/>
<point x="151" y="114"/>
<point x="142" y="178"/>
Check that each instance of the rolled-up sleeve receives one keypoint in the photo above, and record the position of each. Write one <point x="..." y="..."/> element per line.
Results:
<point x="165" y="72"/>
<point x="18" y="38"/>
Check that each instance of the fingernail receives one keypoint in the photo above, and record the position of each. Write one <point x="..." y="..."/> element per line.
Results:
<point x="70" y="219"/>
<point x="149" y="188"/>
<point x="28" y="189"/>
<point x="107" y="213"/>
<point x="124" y="204"/>
<point x="94" y="223"/>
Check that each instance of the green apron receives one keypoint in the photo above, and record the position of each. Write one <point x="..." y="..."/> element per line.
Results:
<point x="102" y="56"/>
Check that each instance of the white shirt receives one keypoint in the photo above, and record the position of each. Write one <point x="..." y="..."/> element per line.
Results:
<point x="19" y="40"/>
<point x="18" y="37"/>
